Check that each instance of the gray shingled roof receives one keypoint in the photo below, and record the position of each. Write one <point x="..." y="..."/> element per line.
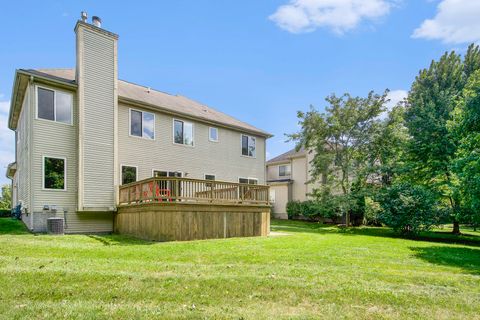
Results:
<point x="162" y="100"/>
<point x="288" y="155"/>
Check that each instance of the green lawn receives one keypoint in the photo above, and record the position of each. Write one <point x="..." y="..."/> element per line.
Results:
<point x="311" y="272"/>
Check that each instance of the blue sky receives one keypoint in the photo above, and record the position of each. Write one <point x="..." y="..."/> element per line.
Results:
<point x="259" y="61"/>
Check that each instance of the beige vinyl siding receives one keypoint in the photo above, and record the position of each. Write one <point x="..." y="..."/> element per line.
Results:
<point x="60" y="140"/>
<point x="299" y="177"/>
<point x="279" y="207"/>
<point x="98" y="80"/>
<point x="273" y="172"/>
<point x="23" y="150"/>
<point x="223" y="158"/>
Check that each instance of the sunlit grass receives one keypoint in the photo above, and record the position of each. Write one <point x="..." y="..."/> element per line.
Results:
<point x="308" y="271"/>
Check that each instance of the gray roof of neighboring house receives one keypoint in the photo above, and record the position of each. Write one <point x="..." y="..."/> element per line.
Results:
<point x="172" y="103"/>
<point x="288" y="155"/>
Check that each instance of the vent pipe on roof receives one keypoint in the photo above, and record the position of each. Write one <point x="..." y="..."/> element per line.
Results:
<point x="84" y="16"/>
<point x="96" y="21"/>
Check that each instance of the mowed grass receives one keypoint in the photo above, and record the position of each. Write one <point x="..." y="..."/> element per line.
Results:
<point x="310" y="271"/>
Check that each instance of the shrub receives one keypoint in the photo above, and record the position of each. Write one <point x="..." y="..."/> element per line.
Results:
<point x="408" y="209"/>
<point x="312" y="209"/>
<point x="5" y="213"/>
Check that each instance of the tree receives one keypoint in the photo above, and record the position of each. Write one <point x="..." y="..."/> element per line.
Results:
<point x="6" y="199"/>
<point x="432" y="148"/>
<point x="407" y="208"/>
<point x="339" y="139"/>
<point x="465" y="126"/>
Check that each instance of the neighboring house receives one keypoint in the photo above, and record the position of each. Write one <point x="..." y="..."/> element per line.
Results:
<point x="81" y="133"/>
<point x="288" y="175"/>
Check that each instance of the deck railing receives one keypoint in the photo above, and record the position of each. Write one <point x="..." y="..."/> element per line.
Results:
<point x="171" y="189"/>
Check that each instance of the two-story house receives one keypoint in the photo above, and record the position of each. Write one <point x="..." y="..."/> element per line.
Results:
<point x="82" y="132"/>
<point x="288" y="176"/>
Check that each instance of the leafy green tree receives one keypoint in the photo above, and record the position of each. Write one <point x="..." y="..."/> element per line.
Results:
<point x="339" y="139"/>
<point x="433" y="147"/>
<point x="6" y="199"/>
<point x="407" y="208"/>
<point x="465" y="126"/>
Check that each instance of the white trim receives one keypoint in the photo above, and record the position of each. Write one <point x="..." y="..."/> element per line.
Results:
<point x="121" y="172"/>
<point x="209" y="137"/>
<point x="168" y="171"/>
<point x="130" y="124"/>
<point x="249" y="178"/>
<point x="64" y="173"/>
<point x="241" y="146"/>
<point x="173" y="133"/>
<point x="54" y="104"/>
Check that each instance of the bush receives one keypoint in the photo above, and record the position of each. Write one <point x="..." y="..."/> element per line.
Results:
<point x="408" y="209"/>
<point x="311" y="209"/>
<point x="293" y="209"/>
<point x="5" y="213"/>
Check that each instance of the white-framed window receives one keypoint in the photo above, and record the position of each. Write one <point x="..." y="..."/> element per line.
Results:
<point x="162" y="173"/>
<point x="248" y="180"/>
<point x="209" y="177"/>
<point x="213" y="134"/>
<point x="284" y="170"/>
<point x="248" y="145"/>
<point x="142" y="124"/>
<point x="129" y="174"/>
<point x="182" y="132"/>
<point x="54" y="173"/>
<point x="54" y="105"/>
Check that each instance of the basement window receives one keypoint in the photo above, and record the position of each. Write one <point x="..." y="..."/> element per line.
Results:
<point x="248" y="180"/>
<point x="142" y="124"/>
<point x="54" y="173"/>
<point x="54" y="105"/>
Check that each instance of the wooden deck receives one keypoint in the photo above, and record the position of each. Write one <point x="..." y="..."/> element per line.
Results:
<point x="165" y="209"/>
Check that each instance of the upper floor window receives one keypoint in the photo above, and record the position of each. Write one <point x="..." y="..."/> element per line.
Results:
<point x="142" y="124"/>
<point x="54" y="173"/>
<point x="129" y="174"/>
<point x="54" y="105"/>
<point x="213" y="134"/>
<point x="183" y="132"/>
<point x="284" y="170"/>
<point x="248" y="146"/>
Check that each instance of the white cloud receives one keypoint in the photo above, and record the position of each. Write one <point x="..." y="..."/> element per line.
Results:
<point x="395" y="97"/>
<point x="4" y="107"/>
<point x="338" y="15"/>
<point x="456" y="21"/>
<point x="7" y="140"/>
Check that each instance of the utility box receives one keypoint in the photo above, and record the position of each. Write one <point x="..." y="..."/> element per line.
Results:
<point x="55" y="226"/>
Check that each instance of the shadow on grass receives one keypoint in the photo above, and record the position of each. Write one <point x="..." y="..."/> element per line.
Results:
<point x="431" y="236"/>
<point x="467" y="259"/>
<point x="12" y="226"/>
<point x="119" y="240"/>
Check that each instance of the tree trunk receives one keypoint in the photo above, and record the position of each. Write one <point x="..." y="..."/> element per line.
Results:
<point x="456" y="227"/>
<point x="347" y="219"/>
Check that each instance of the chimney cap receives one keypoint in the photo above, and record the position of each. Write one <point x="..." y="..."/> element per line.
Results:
<point x="96" y="21"/>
